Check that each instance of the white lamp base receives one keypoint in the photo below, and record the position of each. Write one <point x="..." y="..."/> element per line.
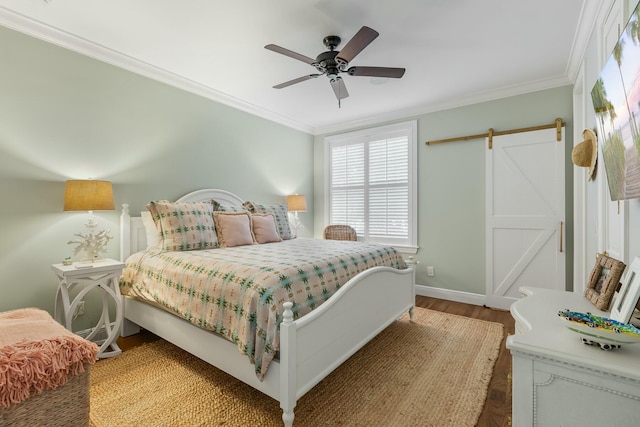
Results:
<point x="297" y="225"/>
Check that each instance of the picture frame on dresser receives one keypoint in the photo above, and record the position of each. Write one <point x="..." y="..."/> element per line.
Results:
<point x="604" y="281"/>
<point x="626" y="299"/>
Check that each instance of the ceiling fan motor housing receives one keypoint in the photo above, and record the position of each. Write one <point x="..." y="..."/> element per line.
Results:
<point x="326" y="63"/>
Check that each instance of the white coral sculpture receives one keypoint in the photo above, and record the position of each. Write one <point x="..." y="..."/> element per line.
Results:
<point x="93" y="243"/>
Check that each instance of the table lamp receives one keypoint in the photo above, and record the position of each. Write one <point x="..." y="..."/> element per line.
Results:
<point x="89" y="195"/>
<point x="296" y="203"/>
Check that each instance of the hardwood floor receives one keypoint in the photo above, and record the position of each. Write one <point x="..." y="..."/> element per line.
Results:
<point x="135" y="340"/>
<point x="497" y="407"/>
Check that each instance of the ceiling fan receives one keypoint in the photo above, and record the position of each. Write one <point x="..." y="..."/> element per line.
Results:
<point x="333" y="62"/>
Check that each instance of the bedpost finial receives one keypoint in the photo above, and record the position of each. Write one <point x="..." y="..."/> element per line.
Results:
<point x="125" y="209"/>
<point x="288" y="313"/>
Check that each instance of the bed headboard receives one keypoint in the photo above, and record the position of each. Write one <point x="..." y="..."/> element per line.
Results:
<point x="133" y="237"/>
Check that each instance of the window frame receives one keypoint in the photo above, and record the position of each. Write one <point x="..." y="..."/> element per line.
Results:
<point x="367" y="135"/>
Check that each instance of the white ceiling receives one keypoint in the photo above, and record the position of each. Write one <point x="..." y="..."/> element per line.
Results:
<point x="456" y="52"/>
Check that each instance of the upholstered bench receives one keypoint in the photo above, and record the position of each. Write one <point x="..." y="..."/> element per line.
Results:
<point x="44" y="371"/>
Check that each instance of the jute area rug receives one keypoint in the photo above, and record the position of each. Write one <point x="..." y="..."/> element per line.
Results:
<point x="434" y="372"/>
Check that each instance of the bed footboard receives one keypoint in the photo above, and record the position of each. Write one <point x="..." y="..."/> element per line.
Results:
<point x="316" y="344"/>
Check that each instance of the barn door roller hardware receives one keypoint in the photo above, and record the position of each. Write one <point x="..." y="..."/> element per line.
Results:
<point x="558" y="124"/>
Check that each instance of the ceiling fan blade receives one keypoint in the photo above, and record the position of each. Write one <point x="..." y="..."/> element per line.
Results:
<point x="354" y="46"/>
<point x="394" y="73"/>
<point x="290" y="53"/>
<point x="298" y="80"/>
<point x="339" y="88"/>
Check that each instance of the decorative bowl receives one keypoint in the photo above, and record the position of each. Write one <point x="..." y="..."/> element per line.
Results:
<point x="607" y="333"/>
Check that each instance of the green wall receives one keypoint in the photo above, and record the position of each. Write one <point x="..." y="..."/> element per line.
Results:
<point x="451" y="189"/>
<point x="66" y="116"/>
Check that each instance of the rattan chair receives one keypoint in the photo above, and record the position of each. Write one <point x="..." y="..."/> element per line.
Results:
<point x="339" y="232"/>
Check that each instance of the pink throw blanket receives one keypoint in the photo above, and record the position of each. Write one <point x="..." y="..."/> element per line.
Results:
<point x="37" y="353"/>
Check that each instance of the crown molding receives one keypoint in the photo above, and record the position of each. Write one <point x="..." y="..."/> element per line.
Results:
<point x="586" y="25"/>
<point x="47" y="33"/>
<point x="492" y="95"/>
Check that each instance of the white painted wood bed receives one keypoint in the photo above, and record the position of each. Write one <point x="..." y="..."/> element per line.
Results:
<point x="311" y="347"/>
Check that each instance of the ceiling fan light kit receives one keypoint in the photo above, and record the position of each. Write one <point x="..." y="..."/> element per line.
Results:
<point x="334" y="62"/>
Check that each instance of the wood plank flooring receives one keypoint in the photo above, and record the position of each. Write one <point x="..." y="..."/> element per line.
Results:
<point x="497" y="407"/>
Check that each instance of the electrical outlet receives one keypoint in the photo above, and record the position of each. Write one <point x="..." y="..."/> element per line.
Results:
<point x="79" y="309"/>
<point x="430" y="271"/>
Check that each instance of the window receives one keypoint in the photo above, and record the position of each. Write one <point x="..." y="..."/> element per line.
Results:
<point x="371" y="183"/>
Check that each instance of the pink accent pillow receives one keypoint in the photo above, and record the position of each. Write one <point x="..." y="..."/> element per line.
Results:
<point x="264" y="228"/>
<point x="233" y="228"/>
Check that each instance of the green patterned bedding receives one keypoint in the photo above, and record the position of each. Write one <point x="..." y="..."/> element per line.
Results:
<point x="239" y="292"/>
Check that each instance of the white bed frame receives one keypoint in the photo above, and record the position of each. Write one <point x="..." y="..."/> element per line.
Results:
<point x="311" y="347"/>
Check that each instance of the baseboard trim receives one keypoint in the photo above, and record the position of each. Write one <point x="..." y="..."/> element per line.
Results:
<point x="451" y="295"/>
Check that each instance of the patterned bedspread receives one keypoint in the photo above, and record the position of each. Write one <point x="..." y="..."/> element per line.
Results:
<point x="239" y="292"/>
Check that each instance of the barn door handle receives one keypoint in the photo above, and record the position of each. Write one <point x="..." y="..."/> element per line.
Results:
<point x="561" y="224"/>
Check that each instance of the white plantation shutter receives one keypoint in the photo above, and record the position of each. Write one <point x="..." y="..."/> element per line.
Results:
<point x="347" y="181"/>
<point x="371" y="183"/>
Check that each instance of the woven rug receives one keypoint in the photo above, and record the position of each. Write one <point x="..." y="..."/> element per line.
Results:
<point x="434" y="372"/>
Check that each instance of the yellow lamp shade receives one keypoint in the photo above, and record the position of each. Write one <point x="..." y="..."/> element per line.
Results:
<point x="296" y="203"/>
<point x="88" y="195"/>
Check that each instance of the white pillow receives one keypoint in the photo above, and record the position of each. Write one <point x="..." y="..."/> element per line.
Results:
<point x="153" y="235"/>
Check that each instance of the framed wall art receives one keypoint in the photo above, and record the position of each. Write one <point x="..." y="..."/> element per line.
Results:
<point x="615" y="101"/>
<point x="603" y="281"/>
<point x="627" y="298"/>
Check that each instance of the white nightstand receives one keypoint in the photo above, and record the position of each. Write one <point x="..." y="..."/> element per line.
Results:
<point x="103" y="275"/>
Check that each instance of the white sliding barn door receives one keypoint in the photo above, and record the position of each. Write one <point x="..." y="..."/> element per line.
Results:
<point x="525" y="214"/>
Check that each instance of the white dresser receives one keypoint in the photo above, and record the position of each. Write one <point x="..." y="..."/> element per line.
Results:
<point x="558" y="380"/>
